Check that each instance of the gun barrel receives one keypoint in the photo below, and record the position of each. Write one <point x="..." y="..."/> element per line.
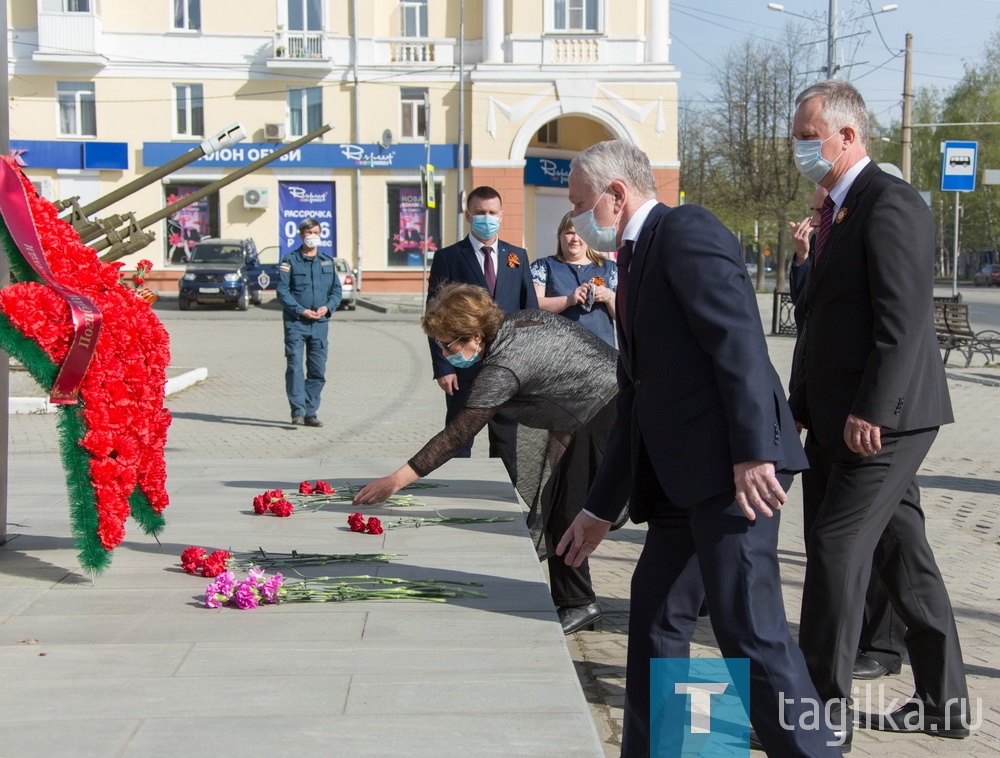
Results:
<point x="228" y="136"/>
<point x="208" y="189"/>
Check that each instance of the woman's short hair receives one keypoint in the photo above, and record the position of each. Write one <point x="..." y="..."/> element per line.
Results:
<point x="462" y="310"/>
<point x="567" y="223"/>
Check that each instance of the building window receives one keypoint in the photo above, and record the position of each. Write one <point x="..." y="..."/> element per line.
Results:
<point x="187" y="15"/>
<point x="305" y="15"/>
<point x="414" y="21"/>
<point x="305" y="110"/>
<point x="77" y="109"/>
<point x="189" y="110"/>
<point x="549" y="133"/>
<point x="414" y="113"/>
<point x="76" y="6"/>
<point x="576" y="15"/>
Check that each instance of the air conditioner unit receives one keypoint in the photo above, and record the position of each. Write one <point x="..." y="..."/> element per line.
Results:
<point x="255" y="197"/>
<point x="274" y="132"/>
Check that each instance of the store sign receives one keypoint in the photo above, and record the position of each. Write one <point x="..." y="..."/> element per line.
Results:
<point x="342" y="155"/>
<point x="111" y="156"/>
<point x="547" y="172"/>
<point x="298" y="201"/>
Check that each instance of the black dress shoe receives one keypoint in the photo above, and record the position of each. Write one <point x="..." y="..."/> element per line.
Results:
<point x="911" y="719"/>
<point x="581" y="617"/>
<point x="298" y="420"/>
<point x="312" y="421"/>
<point x="866" y="667"/>
<point x="843" y="737"/>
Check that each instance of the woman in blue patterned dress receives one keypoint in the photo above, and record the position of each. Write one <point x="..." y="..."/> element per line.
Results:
<point x="578" y="283"/>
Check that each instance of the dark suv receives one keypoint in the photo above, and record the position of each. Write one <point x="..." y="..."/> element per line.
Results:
<point x="217" y="273"/>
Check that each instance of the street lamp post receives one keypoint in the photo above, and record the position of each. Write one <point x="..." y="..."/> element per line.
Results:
<point x="831" y="30"/>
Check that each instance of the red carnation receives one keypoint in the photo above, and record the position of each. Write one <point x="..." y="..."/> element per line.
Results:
<point x="305" y="488"/>
<point x="261" y="504"/>
<point x="274" y="494"/>
<point x="323" y="488"/>
<point x="374" y="526"/>
<point x="193" y="559"/>
<point x="215" y="564"/>
<point x="282" y="508"/>
<point x="357" y="522"/>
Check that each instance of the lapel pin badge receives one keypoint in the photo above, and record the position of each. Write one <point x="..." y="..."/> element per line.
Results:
<point x="841" y="215"/>
<point x="512" y="261"/>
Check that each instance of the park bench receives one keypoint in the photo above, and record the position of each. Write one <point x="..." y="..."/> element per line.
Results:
<point x="954" y="332"/>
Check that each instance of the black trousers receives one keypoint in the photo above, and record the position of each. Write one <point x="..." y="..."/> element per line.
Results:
<point x="882" y="630"/>
<point x="711" y="550"/>
<point x="871" y="514"/>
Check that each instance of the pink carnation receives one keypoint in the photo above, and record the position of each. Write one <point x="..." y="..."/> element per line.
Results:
<point x="246" y="595"/>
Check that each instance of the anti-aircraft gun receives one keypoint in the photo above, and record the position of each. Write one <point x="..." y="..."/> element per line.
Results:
<point x="120" y="240"/>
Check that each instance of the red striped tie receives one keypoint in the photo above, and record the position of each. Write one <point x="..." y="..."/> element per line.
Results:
<point x="825" y="223"/>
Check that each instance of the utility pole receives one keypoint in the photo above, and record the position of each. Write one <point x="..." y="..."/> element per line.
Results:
<point x="831" y="41"/>
<point x="907" y="141"/>
<point x="459" y="216"/>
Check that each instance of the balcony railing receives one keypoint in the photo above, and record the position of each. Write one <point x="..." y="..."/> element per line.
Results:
<point x="69" y="36"/>
<point x="409" y="50"/>
<point x="572" y="49"/>
<point x="299" y="45"/>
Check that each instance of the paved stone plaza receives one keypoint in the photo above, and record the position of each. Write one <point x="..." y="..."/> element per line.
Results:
<point x="380" y="405"/>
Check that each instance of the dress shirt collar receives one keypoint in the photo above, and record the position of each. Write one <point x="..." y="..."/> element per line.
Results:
<point x="841" y="188"/>
<point x="477" y="246"/>
<point x="634" y="225"/>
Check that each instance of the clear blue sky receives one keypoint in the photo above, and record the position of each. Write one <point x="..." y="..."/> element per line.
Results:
<point x="946" y="35"/>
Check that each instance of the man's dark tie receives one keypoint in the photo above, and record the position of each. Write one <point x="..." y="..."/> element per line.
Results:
<point x="825" y="224"/>
<point x="621" y="295"/>
<point x="489" y="269"/>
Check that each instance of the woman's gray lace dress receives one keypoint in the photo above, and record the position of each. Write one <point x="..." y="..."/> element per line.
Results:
<point x="557" y="380"/>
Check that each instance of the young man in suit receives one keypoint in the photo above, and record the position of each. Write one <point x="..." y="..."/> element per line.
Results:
<point x="870" y="388"/>
<point x="703" y="447"/>
<point x="881" y="647"/>
<point x="502" y="269"/>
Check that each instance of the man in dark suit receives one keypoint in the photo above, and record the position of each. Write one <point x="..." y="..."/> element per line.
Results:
<point x="870" y="388"/>
<point x="703" y="447"/>
<point x="502" y="269"/>
<point x="881" y="647"/>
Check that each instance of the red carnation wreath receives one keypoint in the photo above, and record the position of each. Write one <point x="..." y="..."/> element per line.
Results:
<point x="112" y="440"/>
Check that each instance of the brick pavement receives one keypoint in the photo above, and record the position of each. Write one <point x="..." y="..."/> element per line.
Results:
<point x="380" y="402"/>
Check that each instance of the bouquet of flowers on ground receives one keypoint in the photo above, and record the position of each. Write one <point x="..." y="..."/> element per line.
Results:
<point x="273" y="502"/>
<point x="196" y="560"/>
<point x="259" y="588"/>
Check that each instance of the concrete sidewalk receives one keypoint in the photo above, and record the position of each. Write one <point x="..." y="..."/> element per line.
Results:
<point x="380" y="405"/>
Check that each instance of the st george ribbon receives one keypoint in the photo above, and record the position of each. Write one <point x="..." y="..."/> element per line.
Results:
<point x="86" y="316"/>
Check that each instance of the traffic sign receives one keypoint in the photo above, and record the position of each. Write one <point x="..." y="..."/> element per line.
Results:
<point x="958" y="166"/>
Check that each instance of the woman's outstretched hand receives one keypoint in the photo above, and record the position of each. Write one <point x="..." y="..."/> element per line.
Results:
<point x="386" y="487"/>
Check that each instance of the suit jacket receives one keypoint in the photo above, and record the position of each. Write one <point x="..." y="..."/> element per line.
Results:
<point x="868" y="346"/>
<point x="458" y="263"/>
<point x="698" y="392"/>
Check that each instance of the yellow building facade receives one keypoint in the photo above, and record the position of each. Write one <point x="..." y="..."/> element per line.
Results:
<point x="497" y="92"/>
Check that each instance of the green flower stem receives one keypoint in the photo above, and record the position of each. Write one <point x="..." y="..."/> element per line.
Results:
<point x="326" y="589"/>
<point x="418" y="522"/>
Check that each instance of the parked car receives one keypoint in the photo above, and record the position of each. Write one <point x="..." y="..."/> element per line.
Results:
<point x="348" y="283"/>
<point x="752" y="269"/>
<point x="217" y="273"/>
<point x="263" y="275"/>
<point x="988" y="276"/>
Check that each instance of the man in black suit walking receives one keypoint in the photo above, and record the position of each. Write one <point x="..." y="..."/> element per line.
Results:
<point x="870" y="388"/>
<point x="881" y="646"/>
<point x="502" y="269"/>
<point x="704" y="447"/>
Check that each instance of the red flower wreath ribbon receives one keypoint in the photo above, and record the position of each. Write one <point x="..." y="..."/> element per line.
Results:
<point x="86" y="316"/>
